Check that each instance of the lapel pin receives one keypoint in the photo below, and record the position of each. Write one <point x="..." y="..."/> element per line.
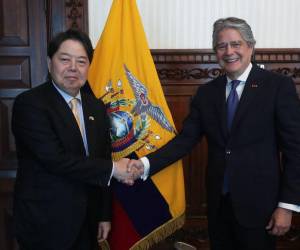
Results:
<point x="91" y="118"/>
<point x="254" y="85"/>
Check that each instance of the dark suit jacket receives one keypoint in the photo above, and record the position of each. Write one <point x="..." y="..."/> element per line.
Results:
<point x="266" y="122"/>
<point x="57" y="185"/>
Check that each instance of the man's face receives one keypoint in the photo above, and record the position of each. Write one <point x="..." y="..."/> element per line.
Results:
<point x="233" y="53"/>
<point x="69" y="66"/>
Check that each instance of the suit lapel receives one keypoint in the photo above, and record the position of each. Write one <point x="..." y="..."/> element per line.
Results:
<point x="221" y="104"/>
<point x="89" y="121"/>
<point x="250" y="91"/>
<point x="57" y="102"/>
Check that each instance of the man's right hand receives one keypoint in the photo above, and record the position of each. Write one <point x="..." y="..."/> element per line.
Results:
<point x="121" y="172"/>
<point x="136" y="167"/>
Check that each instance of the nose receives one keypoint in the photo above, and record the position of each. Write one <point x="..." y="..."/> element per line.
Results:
<point x="73" y="65"/>
<point x="229" y="49"/>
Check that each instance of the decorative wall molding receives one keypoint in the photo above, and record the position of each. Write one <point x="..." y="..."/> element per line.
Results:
<point x="74" y="10"/>
<point x="208" y="55"/>
<point x="65" y="14"/>
<point x="206" y="73"/>
<point x="201" y="65"/>
<point x="166" y="56"/>
<point x="188" y="74"/>
<point x="76" y="14"/>
<point x="292" y="72"/>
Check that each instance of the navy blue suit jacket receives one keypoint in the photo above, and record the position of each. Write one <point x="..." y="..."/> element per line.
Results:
<point x="57" y="185"/>
<point x="267" y="122"/>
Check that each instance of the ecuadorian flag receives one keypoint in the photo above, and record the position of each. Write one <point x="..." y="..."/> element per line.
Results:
<point x="123" y="75"/>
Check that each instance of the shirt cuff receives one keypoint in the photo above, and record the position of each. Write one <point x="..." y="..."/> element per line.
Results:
<point x="288" y="206"/>
<point x="146" y="164"/>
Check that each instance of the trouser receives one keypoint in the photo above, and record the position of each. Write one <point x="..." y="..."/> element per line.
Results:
<point x="85" y="240"/>
<point x="227" y="234"/>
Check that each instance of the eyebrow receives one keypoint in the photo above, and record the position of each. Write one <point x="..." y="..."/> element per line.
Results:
<point x="235" y="41"/>
<point x="67" y="54"/>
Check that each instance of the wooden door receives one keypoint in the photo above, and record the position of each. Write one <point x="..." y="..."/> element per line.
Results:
<point x="22" y="66"/>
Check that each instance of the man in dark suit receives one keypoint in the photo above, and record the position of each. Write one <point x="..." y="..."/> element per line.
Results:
<point x="62" y="199"/>
<point x="248" y="116"/>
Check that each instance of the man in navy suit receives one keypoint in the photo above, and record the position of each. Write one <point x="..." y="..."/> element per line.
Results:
<point x="249" y="116"/>
<point x="62" y="200"/>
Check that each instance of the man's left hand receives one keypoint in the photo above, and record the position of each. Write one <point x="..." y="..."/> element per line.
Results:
<point x="103" y="230"/>
<point x="280" y="221"/>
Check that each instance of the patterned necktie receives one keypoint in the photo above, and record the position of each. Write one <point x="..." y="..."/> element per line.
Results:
<point x="232" y="103"/>
<point x="74" y="108"/>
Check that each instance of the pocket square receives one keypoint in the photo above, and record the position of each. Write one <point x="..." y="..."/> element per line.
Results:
<point x="91" y="118"/>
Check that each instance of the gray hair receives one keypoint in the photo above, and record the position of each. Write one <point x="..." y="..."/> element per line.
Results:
<point x="233" y="23"/>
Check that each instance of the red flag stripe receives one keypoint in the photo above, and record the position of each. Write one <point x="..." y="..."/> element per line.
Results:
<point x="118" y="240"/>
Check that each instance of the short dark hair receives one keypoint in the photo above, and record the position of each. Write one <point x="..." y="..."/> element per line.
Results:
<point x="71" y="34"/>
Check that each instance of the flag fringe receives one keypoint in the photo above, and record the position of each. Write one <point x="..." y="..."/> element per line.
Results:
<point x="155" y="236"/>
<point x="159" y="233"/>
<point x="104" y="245"/>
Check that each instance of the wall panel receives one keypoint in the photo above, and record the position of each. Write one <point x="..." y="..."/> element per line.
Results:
<point x="180" y="24"/>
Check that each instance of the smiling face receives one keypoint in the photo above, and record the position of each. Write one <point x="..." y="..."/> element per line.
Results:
<point x="69" y="66"/>
<point x="233" y="53"/>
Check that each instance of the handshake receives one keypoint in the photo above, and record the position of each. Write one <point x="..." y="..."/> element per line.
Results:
<point x="127" y="170"/>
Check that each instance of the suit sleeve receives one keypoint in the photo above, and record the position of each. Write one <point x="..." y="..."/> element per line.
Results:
<point x="39" y="144"/>
<point x="105" y="205"/>
<point x="288" y="127"/>
<point x="105" y="195"/>
<point x="182" y="143"/>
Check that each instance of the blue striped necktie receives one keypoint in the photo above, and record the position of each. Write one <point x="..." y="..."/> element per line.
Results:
<point x="232" y="103"/>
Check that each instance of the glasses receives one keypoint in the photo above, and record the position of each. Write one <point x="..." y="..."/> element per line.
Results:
<point x="232" y="44"/>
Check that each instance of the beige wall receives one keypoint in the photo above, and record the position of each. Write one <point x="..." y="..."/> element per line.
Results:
<point x="188" y="24"/>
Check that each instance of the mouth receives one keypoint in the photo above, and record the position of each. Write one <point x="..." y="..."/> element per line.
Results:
<point x="231" y="60"/>
<point x="71" y="78"/>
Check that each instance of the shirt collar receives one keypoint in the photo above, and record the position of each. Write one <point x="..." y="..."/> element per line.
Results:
<point x="243" y="77"/>
<point x="65" y="95"/>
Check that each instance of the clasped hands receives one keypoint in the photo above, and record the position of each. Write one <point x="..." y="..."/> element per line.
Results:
<point x="127" y="170"/>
